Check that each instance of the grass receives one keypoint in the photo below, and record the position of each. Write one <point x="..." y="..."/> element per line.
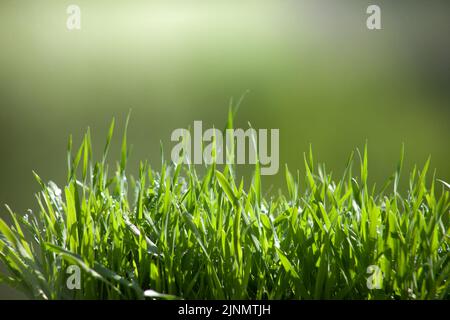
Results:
<point x="173" y="234"/>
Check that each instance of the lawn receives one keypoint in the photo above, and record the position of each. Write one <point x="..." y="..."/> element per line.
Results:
<point x="174" y="233"/>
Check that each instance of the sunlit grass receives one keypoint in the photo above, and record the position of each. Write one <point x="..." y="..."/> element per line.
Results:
<point x="174" y="234"/>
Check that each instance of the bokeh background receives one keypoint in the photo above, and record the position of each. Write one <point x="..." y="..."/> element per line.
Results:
<point x="312" y="69"/>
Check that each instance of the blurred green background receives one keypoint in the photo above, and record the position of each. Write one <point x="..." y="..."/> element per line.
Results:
<point x="312" y="69"/>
